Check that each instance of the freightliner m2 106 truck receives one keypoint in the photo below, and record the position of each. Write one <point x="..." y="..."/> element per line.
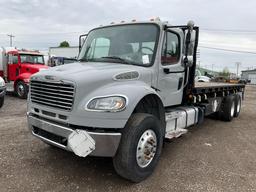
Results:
<point x="132" y="87"/>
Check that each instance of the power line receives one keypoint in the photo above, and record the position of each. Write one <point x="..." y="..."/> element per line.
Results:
<point x="230" y="50"/>
<point x="228" y="30"/>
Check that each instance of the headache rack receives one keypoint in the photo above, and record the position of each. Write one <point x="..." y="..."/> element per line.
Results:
<point x="58" y="95"/>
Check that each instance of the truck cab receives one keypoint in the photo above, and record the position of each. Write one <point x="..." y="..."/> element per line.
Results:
<point x="132" y="87"/>
<point x="16" y="67"/>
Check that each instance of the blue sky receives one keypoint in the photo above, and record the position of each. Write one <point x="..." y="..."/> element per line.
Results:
<point x="225" y="24"/>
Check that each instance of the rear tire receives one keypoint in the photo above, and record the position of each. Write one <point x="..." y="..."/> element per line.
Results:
<point x="140" y="147"/>
<point x="1" y="101"/>
<point x="238" y="104"/>
<point x="21" y="90"/>
<point x="228" y="108"/>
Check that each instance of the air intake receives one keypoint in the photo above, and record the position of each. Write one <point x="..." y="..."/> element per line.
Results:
<point x="131" y="75"/>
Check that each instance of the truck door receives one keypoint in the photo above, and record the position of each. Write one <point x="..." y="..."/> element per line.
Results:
<point x="13" y="66"/>
<point x="171" y="72"/>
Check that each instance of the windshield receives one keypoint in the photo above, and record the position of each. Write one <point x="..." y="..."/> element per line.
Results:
<point x="33" y="59"/>
<point x="128" y="44"/>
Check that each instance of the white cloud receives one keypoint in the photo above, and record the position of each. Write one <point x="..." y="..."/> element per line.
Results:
<point x="40" y="24"/>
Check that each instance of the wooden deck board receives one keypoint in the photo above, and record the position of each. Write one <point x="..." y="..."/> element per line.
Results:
<point x="213" y="84"/>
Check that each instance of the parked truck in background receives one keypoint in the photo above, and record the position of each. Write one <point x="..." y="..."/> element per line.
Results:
<point x="16" y="67"/>
<point x="56" y="61"/>
<point x="132" y="87"/>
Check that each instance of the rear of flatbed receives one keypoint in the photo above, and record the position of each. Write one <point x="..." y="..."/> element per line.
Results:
<point x="216" y="89"/>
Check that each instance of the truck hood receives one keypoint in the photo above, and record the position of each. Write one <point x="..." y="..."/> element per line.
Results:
<point x="35" y="66"/>
<point x="90" y="77"/>
<point x="95" y="71"/>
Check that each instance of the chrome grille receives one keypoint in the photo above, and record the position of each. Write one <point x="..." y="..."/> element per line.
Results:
<point x="54" y="94"/>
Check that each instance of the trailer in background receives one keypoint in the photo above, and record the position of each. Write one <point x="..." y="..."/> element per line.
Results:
<point x="68" y="52"/>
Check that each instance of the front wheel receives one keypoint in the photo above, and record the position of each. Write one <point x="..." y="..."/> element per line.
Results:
<point x="21" y="90"/>
<point x="1" y="101"/>
<point x="140" y="147"/>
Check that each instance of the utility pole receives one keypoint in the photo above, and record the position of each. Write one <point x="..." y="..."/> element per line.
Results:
<point x="237" y="67"/>
<point x="11" y="36"/>
<point x="198" y="57"/>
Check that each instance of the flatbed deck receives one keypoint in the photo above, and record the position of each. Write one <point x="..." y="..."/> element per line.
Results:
<point x="213" y="87"/>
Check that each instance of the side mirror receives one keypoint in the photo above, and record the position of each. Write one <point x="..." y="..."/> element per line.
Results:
<point x="189" y="45"/>
<point x="187" y="61"/>
<point x="82" y="39"/>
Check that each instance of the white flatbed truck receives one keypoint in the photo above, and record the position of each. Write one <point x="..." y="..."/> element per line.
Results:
<point x="132" y="87"/>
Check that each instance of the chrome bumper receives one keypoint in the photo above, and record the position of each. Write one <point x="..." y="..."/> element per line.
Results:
<point x="2" y="91"/>
<point x="106" y="143"/>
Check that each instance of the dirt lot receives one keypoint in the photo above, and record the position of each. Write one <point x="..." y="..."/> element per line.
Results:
<point x="215" y="156"/>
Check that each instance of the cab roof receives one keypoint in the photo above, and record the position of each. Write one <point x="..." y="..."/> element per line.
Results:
<point x="156" y="21"/>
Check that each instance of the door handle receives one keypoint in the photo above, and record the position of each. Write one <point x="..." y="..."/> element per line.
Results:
<point x="168" y="71"/>
<point x="180" y="82"/>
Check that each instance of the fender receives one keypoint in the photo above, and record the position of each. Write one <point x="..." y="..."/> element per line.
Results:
<point x="23" y="77"/>
<point x="139" y="91"/>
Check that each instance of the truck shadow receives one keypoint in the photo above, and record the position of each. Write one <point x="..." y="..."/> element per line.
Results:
<point x="99" y="171"/>
<point x="92" y="171"/>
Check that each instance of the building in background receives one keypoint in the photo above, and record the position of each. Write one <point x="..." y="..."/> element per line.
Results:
<point x="249" y="75"/>
<point x="68" y="52"/>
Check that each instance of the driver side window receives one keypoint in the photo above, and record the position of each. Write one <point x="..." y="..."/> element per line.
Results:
<point x="171" y="49"/>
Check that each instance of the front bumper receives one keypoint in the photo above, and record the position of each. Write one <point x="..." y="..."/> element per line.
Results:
<point x="2" y="91"/>
<point x="57" y="135"/>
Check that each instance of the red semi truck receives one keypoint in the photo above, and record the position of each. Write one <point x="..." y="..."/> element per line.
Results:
<point x="16" y="67"/>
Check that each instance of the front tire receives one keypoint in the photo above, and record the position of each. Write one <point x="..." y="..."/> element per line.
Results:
<point x="21" y="90"/>
<point x="1" y="101"/>
<point x="140" y="147"/>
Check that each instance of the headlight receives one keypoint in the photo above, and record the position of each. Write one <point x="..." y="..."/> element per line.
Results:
<point x="26" y="80"/>
<point x="2" y="83"/>
<point x="108" y="103"/>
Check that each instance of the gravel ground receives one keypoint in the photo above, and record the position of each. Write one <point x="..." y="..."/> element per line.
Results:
<point x="215" y="156"/>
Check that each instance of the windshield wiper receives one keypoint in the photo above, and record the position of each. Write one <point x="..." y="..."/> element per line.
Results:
<point x="125" y="61"/>
<point x="86" y="60"/>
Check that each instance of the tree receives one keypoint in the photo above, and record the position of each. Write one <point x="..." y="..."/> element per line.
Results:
<point x="225" y="72"/>
<point x="64" y="44"/>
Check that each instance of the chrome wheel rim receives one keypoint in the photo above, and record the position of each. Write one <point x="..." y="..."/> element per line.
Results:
<point x="146" y="148"/>
<point x="238" y="106"/>
<point x="232" y="109"/>
<point x="21" y="90"/>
